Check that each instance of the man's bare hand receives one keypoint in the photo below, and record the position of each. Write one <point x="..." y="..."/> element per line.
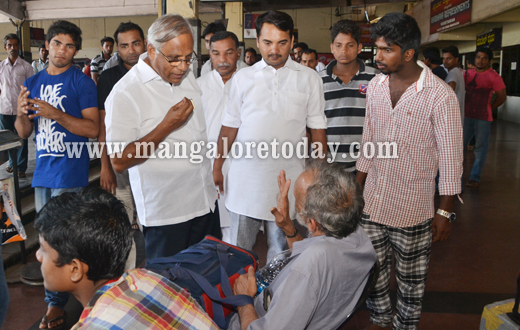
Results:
<point x="22" y="104"/>
<point x="246" y="284"/>
<point x="42" y="109"/>
<point x="281" y="211"/>
<point x="441" y="228"/>
<point x="218" y="178"/>
<point x="178" y="114"/>
<point x="108" y="180"/>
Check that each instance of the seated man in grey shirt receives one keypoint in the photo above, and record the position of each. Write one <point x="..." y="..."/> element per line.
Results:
<point x="320" y="286"/>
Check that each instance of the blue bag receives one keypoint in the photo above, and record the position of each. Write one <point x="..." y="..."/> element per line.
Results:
<point x="207" y="270"/>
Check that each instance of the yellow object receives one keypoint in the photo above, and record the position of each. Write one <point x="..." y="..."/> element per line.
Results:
<point x="491" y="315"/>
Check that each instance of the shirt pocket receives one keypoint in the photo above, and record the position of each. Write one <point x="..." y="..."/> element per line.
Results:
<point x="295" y="106"/>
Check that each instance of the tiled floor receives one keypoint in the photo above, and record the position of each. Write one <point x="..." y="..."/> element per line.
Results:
<point x="476" y="266"/>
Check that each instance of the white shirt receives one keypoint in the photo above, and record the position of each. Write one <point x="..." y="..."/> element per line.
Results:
<point x="320" y="66"/>
<point x="267" y="104"/>
<point x="207" y="66"/>
<point x="457" y="76"/>
<point x="166" y="191"/>
<point x="215" y="96"/>
<point x="11" y="78"/>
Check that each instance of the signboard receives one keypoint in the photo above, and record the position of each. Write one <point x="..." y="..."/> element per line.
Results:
<point x="366" y="40"/>
<point x="448" y="14"/>
<point x="249" y="26"/>
<point x="37" y="37"/>
<point x="325" y="58"/>
<point x="491" y="39"/>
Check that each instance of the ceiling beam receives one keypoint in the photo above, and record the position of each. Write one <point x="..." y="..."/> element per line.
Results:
<point x="12" y="9"/>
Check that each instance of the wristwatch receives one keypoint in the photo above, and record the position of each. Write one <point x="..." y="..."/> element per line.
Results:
<point x="450" y="216"/>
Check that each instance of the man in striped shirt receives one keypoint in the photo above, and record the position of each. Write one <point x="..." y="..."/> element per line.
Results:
<point x="345" y="82"/>
<point x="85" y="239"/>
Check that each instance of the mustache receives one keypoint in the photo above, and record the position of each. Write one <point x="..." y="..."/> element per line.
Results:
<point x="223" y="65"/>
<point x="379" y="63"/>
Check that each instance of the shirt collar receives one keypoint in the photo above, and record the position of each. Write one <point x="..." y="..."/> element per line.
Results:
<point x="146" y="72"/>
<point x="259" y="66"/>
<point x="425" y="80"/>
<point x="331" y="65"/>
<point x="7" y="62"/>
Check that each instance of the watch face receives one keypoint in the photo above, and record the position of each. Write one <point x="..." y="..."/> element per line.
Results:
<point x="453" y="216"/>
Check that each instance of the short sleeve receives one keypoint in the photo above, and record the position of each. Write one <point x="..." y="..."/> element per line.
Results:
<point x="122" y="118"/>
<point x="87" y="93"/>
<point x="498" y="83"/>
<point x="232" y="115"/>
<point x="316" y="104"/>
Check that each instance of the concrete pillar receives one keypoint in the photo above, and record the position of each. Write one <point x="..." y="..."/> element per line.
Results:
<point x="186" y="8"/>
<point x="235" y="15"/>
<point x="25" y="36"/>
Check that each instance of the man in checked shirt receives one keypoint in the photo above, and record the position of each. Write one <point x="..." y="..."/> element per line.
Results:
<point x="409" y="106"/>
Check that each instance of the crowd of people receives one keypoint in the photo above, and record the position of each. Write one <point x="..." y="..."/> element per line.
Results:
<point x="357" y="206"/>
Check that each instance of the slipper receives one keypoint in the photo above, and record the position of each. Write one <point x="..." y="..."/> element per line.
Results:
<point x="9" y="169"/>
<point x="472" y="183"/>
<point x="57" y="318"/>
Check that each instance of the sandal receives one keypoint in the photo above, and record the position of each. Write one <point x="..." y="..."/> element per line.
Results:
<point x="9" y="169"/>
<point x="57" y="318"/>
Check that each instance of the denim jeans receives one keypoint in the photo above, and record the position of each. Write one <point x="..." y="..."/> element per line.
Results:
<point x="4" y="291"/>
<point x="7" y="122"/>
<point x="480" y="129"/>
<point x="244" y="230"/>
<point x="41" y="197"/>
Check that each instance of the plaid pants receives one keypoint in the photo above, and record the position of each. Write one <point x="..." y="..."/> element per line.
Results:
<point x="411" y="247"/>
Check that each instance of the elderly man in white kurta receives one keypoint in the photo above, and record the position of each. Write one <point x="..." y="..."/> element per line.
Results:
<point x="273" y="102"/>
<point x="215" y="86"/>
<point x="157" y="105"/>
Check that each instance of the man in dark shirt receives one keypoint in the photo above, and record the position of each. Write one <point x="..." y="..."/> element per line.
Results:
<point x="433" y="60"/>
<point x="131" y="44"/>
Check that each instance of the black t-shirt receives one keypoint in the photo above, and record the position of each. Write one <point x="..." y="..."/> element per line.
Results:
<point x="107" y="80"/>
<point x="438" y="71"/>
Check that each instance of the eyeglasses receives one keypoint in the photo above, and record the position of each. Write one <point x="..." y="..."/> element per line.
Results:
<point x="177" y="62"/>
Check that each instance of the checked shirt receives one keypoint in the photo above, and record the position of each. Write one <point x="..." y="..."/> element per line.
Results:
<point x="426" y="127"/>
<point x="141" y="299"/>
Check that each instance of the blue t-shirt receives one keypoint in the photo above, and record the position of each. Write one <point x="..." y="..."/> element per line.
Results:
<point x="56" y="164"/>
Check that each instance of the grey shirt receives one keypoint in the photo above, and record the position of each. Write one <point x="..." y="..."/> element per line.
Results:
<point x="319" y="288"/>
<point x="457" y="76"/>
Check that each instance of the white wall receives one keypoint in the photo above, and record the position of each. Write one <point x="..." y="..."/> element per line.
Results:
<point x="510" y="110"/>
<point x="94" y="29"/>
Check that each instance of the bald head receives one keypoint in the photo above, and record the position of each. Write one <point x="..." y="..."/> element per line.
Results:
<point x="300" y="188"/>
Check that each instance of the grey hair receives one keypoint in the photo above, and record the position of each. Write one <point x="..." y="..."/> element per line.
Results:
<point x="333" y="200"/>
<point x="166" y="28"/>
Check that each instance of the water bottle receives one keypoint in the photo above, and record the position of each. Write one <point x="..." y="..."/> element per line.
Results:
<point x="266" y="275"/>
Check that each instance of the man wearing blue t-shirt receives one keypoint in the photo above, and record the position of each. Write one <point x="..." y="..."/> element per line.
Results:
<point x="61" y="103"/>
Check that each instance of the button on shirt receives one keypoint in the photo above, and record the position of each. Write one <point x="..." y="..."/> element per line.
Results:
<point x="141" y="299"/>
<point x="215" y="96"/>
<point x="11" y="78"/>
<point x="168" y="190"/>
<point x="426" y="127"/>
<point x="268" y="104"/>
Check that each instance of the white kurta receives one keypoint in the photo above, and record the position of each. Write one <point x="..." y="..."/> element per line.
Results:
<point x="215" y="96"/>
<point x="268" y="104"/>
<point x="166" y="191"/>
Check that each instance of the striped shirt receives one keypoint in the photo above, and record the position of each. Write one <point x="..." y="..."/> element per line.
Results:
<point x="97" y="64"/>
<point x="345" y="111"/>
<point x="141" y="299"/>
<point x="425" y="127"/>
